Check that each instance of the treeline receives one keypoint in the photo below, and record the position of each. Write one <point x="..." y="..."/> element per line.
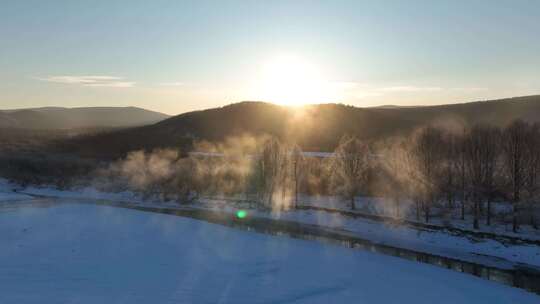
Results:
<point x="472" y="168"/>
<point x="480" y="174"/>
<point x="448" y="174"/>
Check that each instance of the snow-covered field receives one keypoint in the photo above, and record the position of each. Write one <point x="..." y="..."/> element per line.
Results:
<point x="80" y="253"/>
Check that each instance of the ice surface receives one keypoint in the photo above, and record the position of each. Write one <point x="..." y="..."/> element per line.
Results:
<point x="80" y="253"/>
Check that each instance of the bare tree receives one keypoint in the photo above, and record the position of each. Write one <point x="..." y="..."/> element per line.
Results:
<point x="532" y="172"/>
<point x="351" y="166"/>
<point x="426" y="151"/>
<point x="451" y="166"/>
<point x="461" y="171"/>
<point x="516" y="160"/>
<point x="297" y="162"/>
<point x="491" y="162"/>
<point x="395" y="163"/>
<point x="185" y="182"/>
<point x="268" y="166"/>
<point x="481" y="151"/>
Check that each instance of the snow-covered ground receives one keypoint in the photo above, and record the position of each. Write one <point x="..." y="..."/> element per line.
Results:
<point x="478" y="250"/>
<point x="366" y="205"/>
<point x="86" y="192"/>
<point x="81" y="253"/>
<point x="386" y="207"/>
<point x="430" y="241"/>
<point x="8" y="192"/>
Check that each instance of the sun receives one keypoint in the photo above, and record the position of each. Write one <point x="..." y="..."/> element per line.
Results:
<point x="290" y="80"/>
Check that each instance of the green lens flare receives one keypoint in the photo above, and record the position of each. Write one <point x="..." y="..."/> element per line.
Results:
<point x="241" y="214"/>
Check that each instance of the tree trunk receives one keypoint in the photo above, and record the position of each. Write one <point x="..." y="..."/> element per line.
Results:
<point x="476" y="212"/>
<point x="488" y="215"/>
<point x="463" y="208"/>
<point x="515" y="225"/>
<point x="283" y="198"/>
<point x="533" y="219"/>
<point x="295" y="194"/>
<point x="397" y="206"/>
<point x="481" y="210"/>
<point x="462" y="187"/>
<point x="295" y="185"/>
<point x="270" y="196"/>
<point x="514" y="218"/>
<point x="417" y="211"/>
<point x="426" y="213"/>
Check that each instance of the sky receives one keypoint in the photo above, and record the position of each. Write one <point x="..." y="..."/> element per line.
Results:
<point x="178" y="56"/>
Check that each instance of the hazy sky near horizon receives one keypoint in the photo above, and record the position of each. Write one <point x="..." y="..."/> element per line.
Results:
<point x="177" y="56"/>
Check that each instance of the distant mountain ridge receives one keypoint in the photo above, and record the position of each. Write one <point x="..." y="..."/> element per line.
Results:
<point x="315" y="127"/>
<point x="57" y="118"/>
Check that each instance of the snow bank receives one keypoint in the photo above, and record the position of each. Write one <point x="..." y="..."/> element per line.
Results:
<point x="475" y="250"/>
<point x="83" y="193"/>
<point x="96" y="254"/>
<point x="8" y="194"/>
<point x="479" y="250"/>
<point x="386" y="207"/>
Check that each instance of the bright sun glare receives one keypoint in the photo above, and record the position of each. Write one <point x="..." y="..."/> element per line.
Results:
<point x="289" y="80"/>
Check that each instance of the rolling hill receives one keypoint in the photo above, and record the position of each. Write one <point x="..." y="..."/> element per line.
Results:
<point x="55" y="118"/>
<point x="314" y="127"/>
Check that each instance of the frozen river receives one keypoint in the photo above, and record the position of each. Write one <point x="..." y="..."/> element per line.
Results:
<point x="81" y="253"/>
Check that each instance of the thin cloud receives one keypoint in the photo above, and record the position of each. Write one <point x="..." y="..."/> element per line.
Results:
<point x="91" y="81"/>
